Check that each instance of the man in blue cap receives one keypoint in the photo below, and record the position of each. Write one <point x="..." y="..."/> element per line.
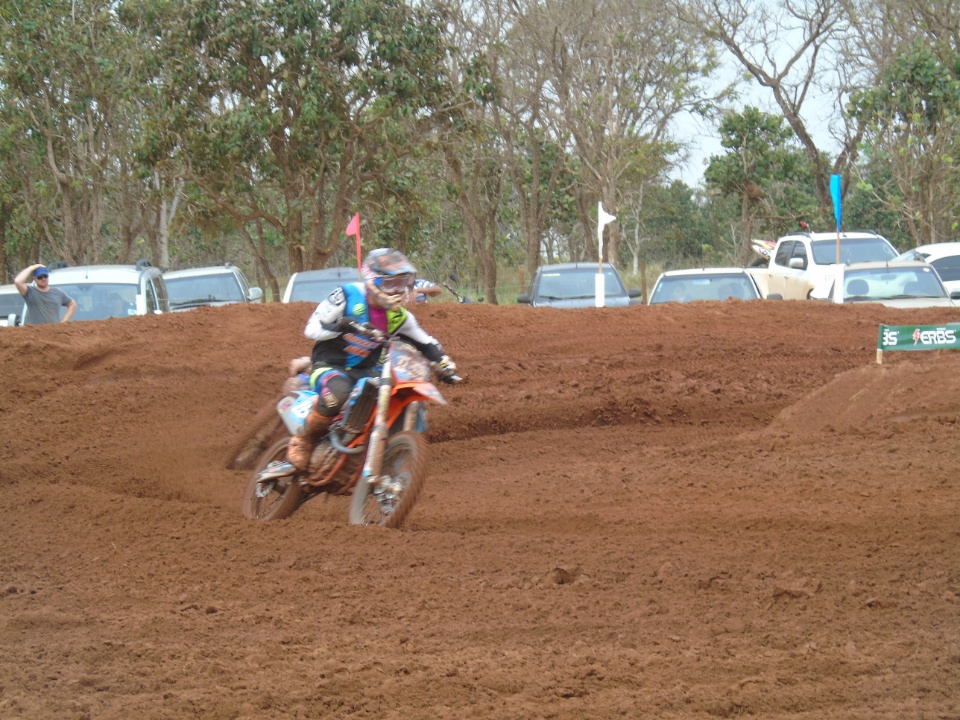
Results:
<point x="43" y="302"/>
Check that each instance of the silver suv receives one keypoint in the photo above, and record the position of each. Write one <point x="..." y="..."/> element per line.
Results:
<point x="104" y="291"/>
<point x="315" y="285"/>
<point x="216" y="285"/>
<point x="573" y="285"/>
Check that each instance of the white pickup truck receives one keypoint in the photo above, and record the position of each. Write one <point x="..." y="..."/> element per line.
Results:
<point x="802" y="265"/>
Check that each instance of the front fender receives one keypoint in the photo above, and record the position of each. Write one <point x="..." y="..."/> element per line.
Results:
<point x="413" y="391"/>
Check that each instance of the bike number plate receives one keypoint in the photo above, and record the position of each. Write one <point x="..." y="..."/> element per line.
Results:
<point x="294" y="410"/>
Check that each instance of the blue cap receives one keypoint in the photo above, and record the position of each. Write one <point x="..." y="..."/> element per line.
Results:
<point x="41" y="271"/>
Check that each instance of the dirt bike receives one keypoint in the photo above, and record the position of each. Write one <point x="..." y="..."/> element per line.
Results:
<point x="375" y="449"/>
<point x="460" y="298"/>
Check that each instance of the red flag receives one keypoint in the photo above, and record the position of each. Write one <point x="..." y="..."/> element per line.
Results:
<point x="354" y="229"/>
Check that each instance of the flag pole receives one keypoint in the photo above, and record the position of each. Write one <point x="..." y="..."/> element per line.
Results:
<point x="603" y="218"/>
<point x="354" y="229"/>
<point x="837" y="211"/>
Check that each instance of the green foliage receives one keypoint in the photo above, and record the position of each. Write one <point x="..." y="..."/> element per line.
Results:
<point x="273" y="121"/>
<point x="673" y="226"/>
<point x="765" y="166"/>
<point x="917" y="95"/>
<point x="65" y="91"/>
<point x="288" y="110"/>
<point x="912" y="141"/>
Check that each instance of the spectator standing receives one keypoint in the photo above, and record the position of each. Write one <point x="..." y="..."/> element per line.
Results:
<point x="43" y="301"/>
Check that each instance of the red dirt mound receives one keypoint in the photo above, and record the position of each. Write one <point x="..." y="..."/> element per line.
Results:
<point x="689" y="511"/>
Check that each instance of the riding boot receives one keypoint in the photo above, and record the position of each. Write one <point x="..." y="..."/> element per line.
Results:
<point x="301" y="445"/>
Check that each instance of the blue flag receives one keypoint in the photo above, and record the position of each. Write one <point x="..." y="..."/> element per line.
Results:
<point x="835" y="192"/>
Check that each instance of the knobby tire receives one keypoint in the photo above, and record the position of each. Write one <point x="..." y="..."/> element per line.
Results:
<point x="285" y="494"/>
<point x="405" y="458"/>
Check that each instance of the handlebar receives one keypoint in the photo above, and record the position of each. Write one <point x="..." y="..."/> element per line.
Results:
<point x="375" y="334"/>
<point x="366" y="329"/>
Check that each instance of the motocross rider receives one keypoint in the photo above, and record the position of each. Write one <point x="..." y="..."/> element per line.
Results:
<point x="342" y="356"/>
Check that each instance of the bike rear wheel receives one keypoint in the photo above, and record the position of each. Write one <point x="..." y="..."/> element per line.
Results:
<point x="274" y="499"/>
<point x="388" y="500"/>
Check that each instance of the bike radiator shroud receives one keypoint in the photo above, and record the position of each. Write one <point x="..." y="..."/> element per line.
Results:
<point x="360" y="405"/>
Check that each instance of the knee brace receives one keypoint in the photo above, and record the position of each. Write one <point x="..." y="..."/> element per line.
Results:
<point x="332" y="387"/>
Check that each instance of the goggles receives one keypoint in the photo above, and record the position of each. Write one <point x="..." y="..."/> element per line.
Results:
<point x="395" y="283"/>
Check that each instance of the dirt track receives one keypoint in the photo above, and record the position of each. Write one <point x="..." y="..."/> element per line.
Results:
<point x="671" y="512"/>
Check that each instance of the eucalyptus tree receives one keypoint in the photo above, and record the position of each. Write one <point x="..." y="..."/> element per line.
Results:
<point x="620" y="72"/>
<point x="64" y="84"/>
<point x="284" y="110"/>
<point x="470" y="144"/>
<point x="11" y="192"/>
<point x="866" y="206"/>
<point x="639" y="190"/>
<point x="522" y="113"/>
<point x="790" y="47"/>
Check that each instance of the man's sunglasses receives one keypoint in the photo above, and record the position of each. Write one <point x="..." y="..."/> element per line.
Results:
<point x="42" y="277"/>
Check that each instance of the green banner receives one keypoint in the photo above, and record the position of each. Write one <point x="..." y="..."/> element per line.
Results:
<point x="919" y="337"/>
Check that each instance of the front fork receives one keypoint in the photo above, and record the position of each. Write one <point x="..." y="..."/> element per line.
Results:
<point x="415" y="417"/>
<point x="378" y="436"/>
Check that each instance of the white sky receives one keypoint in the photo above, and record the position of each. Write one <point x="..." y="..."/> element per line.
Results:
<point x="703" y="139"/>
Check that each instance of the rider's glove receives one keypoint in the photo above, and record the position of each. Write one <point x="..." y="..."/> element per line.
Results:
<point x="446" y="367"/>
<point x="345" y="323"/>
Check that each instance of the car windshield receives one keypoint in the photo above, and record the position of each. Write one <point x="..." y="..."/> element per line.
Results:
<point x="200" y="289"/>
<point x="98" y="301"/>
<point x="683" y="288"/>
<point x="852" y="250"/>
<point x="10" y="303"/>
<point x="315" y="290"/>
<point x="572" y="283"/>
<point x="890" y="283"/>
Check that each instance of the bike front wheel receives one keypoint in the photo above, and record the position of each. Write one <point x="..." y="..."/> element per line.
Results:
<point x="387" y="500"/>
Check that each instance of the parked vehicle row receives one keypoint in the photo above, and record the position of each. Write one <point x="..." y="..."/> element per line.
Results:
<point x="315" y="285"/>
<point x="945" y="259"/>
<point x="114" y="291"/>
<point x="800" y="265"/>
<point x="11" y="306"/>
<point x="804" y="265"/>
<point x="105" y="291"/>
